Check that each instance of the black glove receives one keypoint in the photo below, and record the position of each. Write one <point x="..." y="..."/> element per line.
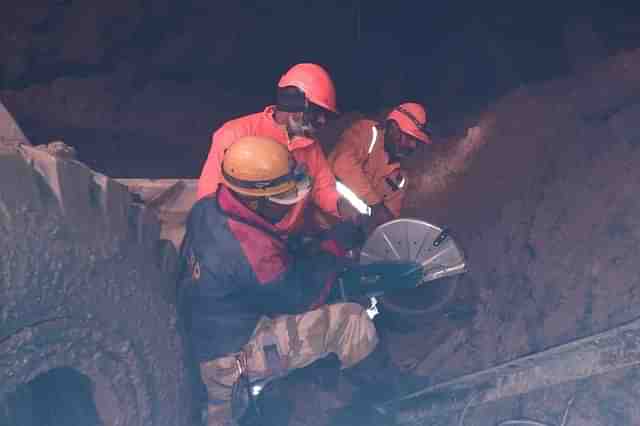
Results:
<point x="347" y="234"/>
<point x="380" y="277"/>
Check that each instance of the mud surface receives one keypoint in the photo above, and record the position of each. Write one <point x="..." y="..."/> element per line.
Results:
<point x="604" y="400"/>
<point x="547" y="213"/>
<point x="543" y="200"/>
<point x="80" y="290"/>
<point x="541" y="196"/>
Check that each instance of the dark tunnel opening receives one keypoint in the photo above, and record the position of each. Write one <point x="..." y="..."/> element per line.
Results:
<point x="58" y="397"/>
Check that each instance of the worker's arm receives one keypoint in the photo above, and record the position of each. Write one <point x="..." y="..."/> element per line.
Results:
<point x="210" y="176"/>
<point x="377" y="278"/>
<point x="304" y="285"/>
<point x="397" y="188"/>
<point x="274" y="282"/>
<point x="324" y="194"/>
<point x="349" y="159"/>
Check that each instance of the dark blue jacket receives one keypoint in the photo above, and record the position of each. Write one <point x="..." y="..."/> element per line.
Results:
<point x="238" y="268"/>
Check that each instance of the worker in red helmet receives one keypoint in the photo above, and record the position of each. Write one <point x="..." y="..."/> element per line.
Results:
<point x="306" y="98"/>
<point x="367" y="160"/>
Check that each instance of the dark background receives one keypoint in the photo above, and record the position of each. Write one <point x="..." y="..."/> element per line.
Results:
<point x="137" y="86"/>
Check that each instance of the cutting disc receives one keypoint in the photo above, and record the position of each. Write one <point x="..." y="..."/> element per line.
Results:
<point x="416" y="240"/>
<point x="431" y="246"/>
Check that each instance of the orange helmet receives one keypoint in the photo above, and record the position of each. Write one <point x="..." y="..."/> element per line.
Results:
<point x="314" y="81"/>
<point x="262" y="167"/>
<point x="412" y="119"/>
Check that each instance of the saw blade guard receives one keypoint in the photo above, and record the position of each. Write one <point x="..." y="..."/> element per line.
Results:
<point x="418" y="241"/>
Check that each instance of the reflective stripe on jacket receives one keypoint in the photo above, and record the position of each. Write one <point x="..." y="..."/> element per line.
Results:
<point x="360" y="162"/>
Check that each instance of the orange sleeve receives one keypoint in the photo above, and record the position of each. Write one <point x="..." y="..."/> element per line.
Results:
<point x="325" y="194"/>
<point x="348" y="161"/>
<point x="210" y="176"/>
<point x="393" y="199"/>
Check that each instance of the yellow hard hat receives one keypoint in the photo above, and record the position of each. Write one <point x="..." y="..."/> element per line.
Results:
<point x="262" y="167"/>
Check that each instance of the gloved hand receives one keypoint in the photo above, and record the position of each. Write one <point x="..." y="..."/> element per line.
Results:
<point x="348" y="234"/>
<point x="381" y="277"/>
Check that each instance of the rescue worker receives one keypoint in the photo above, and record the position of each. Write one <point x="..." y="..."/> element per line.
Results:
<point x="367" y="160"/>
<point x="251" y="305"/>
<point x="306" y="97"/>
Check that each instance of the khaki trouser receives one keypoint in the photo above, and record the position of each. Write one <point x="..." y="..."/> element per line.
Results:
<point x="343" y="329"/>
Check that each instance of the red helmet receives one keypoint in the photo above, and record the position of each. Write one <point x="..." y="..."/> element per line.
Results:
<point x="412" y="119"/>
<point x="314" y="81"/>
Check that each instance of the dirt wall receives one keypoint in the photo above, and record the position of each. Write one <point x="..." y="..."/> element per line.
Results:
<point x="547" y="212"/>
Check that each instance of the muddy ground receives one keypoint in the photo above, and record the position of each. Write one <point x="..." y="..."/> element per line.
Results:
<point x="541" y="194"/>
<point x="547" y="214"/>
<point x="545" y="206"/>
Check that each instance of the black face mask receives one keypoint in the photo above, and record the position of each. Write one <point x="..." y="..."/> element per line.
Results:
<point x="316" y="116"/>
<point x="292" y="99"/>
<point x="397" y="153"/>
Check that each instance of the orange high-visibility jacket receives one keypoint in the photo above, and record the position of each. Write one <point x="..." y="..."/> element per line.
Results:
<point x="361" y="163"/>
<point x="305" y="151"/>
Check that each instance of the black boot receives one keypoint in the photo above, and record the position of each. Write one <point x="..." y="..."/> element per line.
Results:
<point x="323" y="373"/>
<point x="326" y="372"/>
<point x="375" y="376"/>
<point x="377" y="380"/>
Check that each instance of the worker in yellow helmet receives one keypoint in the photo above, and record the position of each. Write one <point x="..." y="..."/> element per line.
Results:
<point x="252" y="307"/>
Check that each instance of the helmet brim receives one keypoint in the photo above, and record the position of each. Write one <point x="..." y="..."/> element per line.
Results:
<point x="418" y="134"/>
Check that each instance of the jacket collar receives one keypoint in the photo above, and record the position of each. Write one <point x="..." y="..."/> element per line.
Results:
<point x="233" y="208"/>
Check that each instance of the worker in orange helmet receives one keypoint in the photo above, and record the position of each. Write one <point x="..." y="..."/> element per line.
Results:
<point x="306" y="98"/>
<point x="367" y="160"/>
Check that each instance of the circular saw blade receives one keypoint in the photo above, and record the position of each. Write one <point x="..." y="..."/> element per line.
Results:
<point x="418" y="241"/>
